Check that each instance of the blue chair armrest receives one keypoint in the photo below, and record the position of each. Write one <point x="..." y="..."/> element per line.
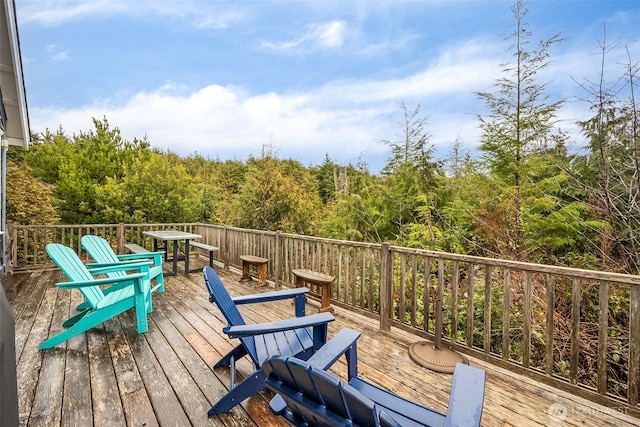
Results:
<point x="344" y="342"/>
<point x="403" y="411"/>
<point x="270" y="296"/>
<point x="467" y="396"/>
<point x="465" y="402"/>
<point x="240" y="331"/>
<point x="298" y="294"/>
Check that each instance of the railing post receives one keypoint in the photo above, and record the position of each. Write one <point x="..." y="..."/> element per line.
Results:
<point x="120" y="238"/>
<point x="603" y="336"/>
<point x="11" y="248"/>
<point x="634" y="346"/>
<point x="386" y="286"/>
<point x="276" y="261"/>
<point x="224" y="254"/>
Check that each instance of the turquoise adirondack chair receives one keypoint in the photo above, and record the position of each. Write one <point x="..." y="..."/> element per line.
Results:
<point x="101" y="252"/>
<point x="128" y="291"/>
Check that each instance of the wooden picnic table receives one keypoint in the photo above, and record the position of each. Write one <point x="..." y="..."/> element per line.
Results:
<point x="175" y="236"/>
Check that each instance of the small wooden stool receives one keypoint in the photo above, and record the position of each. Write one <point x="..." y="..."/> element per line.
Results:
<point x="318" y="279"/>
<point x="259" y="263"/>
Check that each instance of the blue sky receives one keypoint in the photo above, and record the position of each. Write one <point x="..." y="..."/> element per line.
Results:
<point x="310" y="78"/>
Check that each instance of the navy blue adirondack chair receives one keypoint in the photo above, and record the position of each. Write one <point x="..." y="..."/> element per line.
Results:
<point x="299" y="336"/>
<point x="309" y="396"/>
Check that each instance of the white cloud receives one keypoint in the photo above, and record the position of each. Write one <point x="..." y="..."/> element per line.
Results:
<point x="459" y="71"/>
<point x="196" y="13"/>
<point x="329" y="35"/>
<point x="223" y="122"/>
<point x="394" y="45"/>
<point x="322" y="36"/>
<point x="56" y="54"/>
<point x="60" y="56"/>
<point x="345" y="119"/>
<point x="51" y="12"/>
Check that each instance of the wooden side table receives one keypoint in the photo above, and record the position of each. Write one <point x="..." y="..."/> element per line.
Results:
<point x="319" y="279"/>
<point x="261" y="268"/>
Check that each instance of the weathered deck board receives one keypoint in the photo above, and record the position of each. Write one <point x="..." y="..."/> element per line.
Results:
<point x="113" y="376"/>
<point x="107" y="405"/>
<point x="26" y="305"/>
<point x="197" y="354"/>
<point x="160" y="389"/>
<point x="76" y="403"/>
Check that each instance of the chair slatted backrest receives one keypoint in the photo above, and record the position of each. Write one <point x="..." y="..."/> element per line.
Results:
<point x="102" y="253"/>
<point x="218" y="294"/>
<point x="317" y="398"/>
<point x="100" y="250"/>
<point x="71" y="265"/>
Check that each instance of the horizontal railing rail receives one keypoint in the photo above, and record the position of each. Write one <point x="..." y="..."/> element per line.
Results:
<point x="578" y="330"/>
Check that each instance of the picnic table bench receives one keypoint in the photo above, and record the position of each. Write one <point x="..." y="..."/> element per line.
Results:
<point x="208" y="248"/>
<point x="135" y="249"/>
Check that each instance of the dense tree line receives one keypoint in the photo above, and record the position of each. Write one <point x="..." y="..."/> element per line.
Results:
<point x="530" y="193"/>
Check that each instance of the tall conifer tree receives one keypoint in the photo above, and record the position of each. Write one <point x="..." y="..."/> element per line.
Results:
<point x="520" y="122"/>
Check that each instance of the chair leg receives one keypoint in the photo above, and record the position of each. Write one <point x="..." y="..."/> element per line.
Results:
<point x="86" y="322"/>
<point x="232" y="373"/>
<point x="236" y="354"/>
<point x="262" y="274"/>
<point x="245" y="272"/>
<point x="244" y="390"/>
<point x="73" y="320"/>
<point x="57" y="339"/>
<point x="160" y="283"/>
<point x="83" y="306"/>
<point x="143" y="307"/>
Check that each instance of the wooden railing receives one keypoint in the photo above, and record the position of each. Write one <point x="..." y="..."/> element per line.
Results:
<point x="578" y="330"/>
<point x="26" y="244"/>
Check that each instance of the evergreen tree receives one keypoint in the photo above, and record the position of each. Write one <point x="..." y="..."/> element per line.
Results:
<point x="520" y="122"/>
<point x="458" y="193"/>
<point x="78" y="166"/>
<point x="277" y="195"/>
<point x="155" y="188"/>
<point x="355" y="214"/>
<point x="557" y="222"/>
<point x="328" y="177"/>
<point x="409" y="177"/>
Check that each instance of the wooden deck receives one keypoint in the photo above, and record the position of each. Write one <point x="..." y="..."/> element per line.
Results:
<point x="111" y="376"/>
